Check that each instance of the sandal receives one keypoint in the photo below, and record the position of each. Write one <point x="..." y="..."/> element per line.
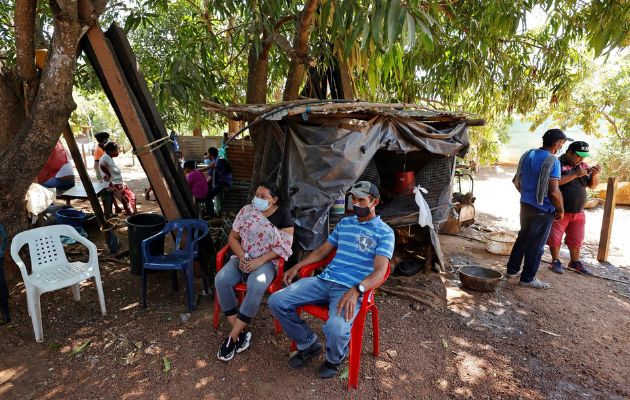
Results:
<point x="536" y="284"/>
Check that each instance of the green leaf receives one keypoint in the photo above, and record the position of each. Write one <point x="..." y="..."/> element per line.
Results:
<point x="393" y="21"/>
<point x="410" y="23"/>
<point x="376" y="23"/>
<point x="344" y="374"/>
<point x="78" y="350"/>
<point x="166" y="365"/>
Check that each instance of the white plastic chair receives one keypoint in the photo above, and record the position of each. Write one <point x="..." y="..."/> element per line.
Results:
<point x="51" y="270"/>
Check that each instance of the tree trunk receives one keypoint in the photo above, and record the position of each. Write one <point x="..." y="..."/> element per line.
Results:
<point x="295" y="76"/>
<point x="29" y="147"/>
<point x="258" y="71"/>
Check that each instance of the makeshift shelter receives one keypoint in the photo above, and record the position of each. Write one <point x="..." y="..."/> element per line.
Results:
<point x="326" y="146"/>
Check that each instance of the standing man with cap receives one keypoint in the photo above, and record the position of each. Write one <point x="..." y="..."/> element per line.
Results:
<point x="364" y="245"/>
<point x="537" y="179"/>
<point x="575" y="177"/>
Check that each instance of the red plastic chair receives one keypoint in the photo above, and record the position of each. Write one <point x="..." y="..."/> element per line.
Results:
<point x="241" y="288"/>
<point x="356" y="332"/>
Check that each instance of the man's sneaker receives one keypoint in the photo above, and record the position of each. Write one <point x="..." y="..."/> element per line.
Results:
<point x="512" y="276"/>
<point x="227" y="350"/>
<point x="302" y="357"/>
<point x="577" y="266"/>
<point x="536" y="284"/>
<point x="328" y="370"/>
<point x="243" y="341"/>
<point x="556" y="266"/>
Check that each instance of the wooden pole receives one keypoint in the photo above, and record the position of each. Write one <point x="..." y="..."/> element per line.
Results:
<point x="609" y="214"/>
<point x="83" y="154"/>
<point x="85" y="178"/>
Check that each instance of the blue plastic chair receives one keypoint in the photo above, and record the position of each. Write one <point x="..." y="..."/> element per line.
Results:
<point x="4" y="290"/>
<point x="187" y="233"/>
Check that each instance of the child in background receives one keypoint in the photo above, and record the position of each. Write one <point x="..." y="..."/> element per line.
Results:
<point x="197" y="182"/>
<point x="111" y="174"/>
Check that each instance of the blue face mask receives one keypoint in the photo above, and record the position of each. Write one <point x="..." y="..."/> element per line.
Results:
<point x="260" y="204"/>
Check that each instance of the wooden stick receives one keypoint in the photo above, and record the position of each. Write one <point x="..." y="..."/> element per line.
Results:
<point x="609" y="214"/>
<point x="407" y="296"/>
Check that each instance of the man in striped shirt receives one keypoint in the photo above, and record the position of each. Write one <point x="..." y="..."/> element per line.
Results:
<point x="364" y="245"/>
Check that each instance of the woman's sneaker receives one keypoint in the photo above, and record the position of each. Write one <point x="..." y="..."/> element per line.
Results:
<point x="227" y="350"/>
<point x="243" y="341"/>
<point x="577" y="266"/>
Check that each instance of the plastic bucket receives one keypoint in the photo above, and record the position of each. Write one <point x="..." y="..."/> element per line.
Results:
<point x="500" y="242"/>
<point x="143" y="226"/>
<point x="339" y="206"/>
<point x="70" y="216"/>
<point x="404" y="182"/>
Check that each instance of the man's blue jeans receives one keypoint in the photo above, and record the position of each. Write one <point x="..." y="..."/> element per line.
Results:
<point x="283" y="305"/>
<point x="530" y="243"/>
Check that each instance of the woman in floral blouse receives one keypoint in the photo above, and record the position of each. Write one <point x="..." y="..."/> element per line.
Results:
<point x="262" y="233"/>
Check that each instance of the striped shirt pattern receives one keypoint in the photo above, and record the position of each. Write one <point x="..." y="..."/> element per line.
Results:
<point x="357" y="243"/>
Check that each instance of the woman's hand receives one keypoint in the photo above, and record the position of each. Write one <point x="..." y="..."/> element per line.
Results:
<point x="252" y="265"/>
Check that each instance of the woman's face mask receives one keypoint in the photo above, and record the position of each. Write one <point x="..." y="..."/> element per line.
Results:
<point x="260" y="204"/>
<point x="362" y="211"/>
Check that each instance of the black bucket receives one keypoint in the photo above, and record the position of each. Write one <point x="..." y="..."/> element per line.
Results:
<point x="143" y="226"/>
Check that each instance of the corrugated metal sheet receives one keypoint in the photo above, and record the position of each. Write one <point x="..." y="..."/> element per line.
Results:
<point x="240" y="153"/>
<point x="194" y="147"/>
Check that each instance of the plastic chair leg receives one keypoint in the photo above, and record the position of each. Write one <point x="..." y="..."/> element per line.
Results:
<point x="144" y="288"/>
<point x="278" y="327"/>
<point x="76" y="292"/>
<point x="190" y="287"/>
<point x="217" y="311"/>
<point x="99" y="291"/>
<point x="293" y="346"/>
<point x="174" y="284"/>
<point x="356" y="344"/>
<point x="375" y="332"/>
<point x="34" y="309"/>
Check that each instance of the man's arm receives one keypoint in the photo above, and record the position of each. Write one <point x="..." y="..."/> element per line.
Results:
<point x="555" y="195"/>
<point x="578" y="172"/>
<point x="348" y="301"/>
<point x="316" y="255"/>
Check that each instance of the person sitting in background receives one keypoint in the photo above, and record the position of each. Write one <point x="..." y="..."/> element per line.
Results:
<point x="219" y="174"/>
<point x="262" y="233"/>
<point x="63" y="179"/>
<point x="101" y="139"/>
<point x="197" y="182"/>
<point x="112" y="174"/>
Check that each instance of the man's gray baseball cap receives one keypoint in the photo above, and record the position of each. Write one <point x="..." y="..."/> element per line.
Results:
<point x="363" y="189"/>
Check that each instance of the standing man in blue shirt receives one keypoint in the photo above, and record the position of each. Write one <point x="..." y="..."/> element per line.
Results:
<point x="538" y="180"/>
<point x="364" y="244"/>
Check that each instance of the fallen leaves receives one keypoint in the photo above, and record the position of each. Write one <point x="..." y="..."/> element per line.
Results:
<point x="79" y="350"/>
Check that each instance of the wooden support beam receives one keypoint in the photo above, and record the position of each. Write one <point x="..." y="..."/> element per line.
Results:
<point x="108" y="70"/>
<point x="85" y="178"/>
<point x="609" y="214"/>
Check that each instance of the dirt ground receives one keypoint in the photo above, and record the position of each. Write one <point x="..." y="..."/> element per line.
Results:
<point x="568" y="342"/>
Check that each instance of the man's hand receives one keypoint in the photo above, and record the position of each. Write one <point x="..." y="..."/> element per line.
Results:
<point x="347" y="304"/>
<point x="595" y="170"/>
<point x="580" y="171"/>
<point x="289" y="275"/>
<point x="559" y="215"/>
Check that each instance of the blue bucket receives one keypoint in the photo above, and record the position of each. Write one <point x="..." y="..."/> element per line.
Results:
<point x="70" y="216"/>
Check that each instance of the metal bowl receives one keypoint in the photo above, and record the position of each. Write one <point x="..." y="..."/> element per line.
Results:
<point x="479" y="278"/>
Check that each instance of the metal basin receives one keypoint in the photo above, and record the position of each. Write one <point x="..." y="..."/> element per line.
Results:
<point x="480" y="278"/>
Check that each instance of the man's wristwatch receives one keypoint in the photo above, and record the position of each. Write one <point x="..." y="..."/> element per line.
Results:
<point x="360" y="288"/>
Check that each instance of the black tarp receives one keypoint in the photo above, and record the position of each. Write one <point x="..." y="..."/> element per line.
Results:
<point x="324" y="157"/>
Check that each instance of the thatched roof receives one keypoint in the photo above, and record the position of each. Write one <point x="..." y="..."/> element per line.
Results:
<point x="341" y="109"/>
